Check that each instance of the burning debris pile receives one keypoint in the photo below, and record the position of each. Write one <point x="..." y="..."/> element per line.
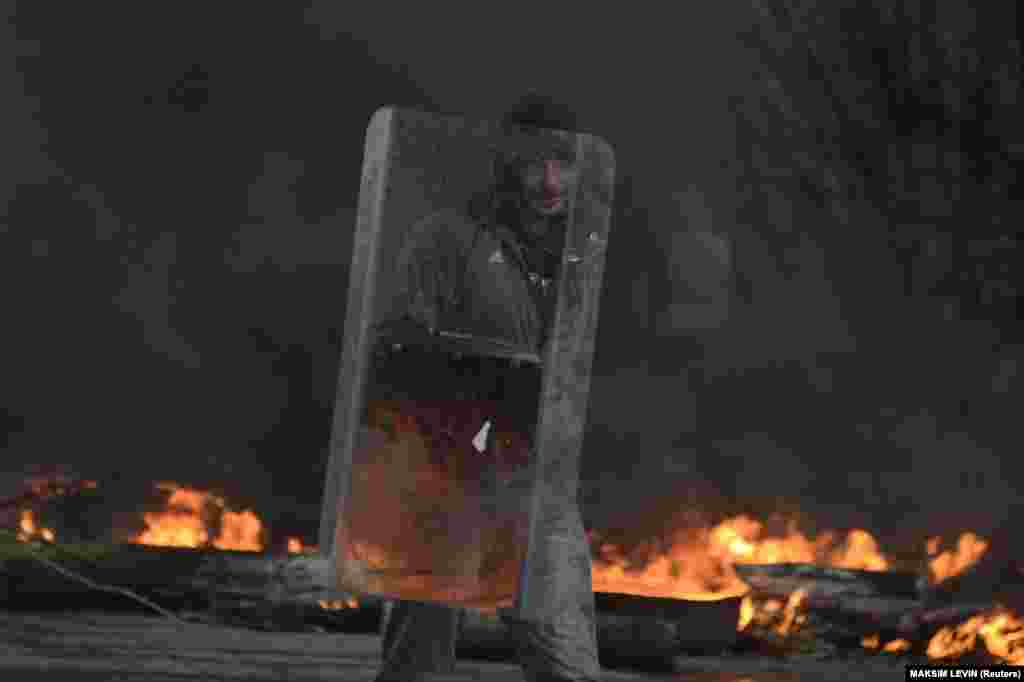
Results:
<point x="190" y="515"/>
<point x="196" y="549"/>
<point x="785" y="591"/>
<point x="827" y="591"/>
<point x="197" y="519"/>
<point x="699" y="563"/>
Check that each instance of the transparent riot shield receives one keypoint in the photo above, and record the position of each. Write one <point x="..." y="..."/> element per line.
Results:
<point x="470" y="327"/>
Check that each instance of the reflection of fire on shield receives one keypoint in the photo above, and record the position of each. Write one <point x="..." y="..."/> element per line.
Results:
<point x="470" y="327"/>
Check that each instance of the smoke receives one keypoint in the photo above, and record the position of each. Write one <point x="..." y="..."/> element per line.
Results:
<point x="21" y="137"/>
<point x="935" y="466"/>
<point x="699" y="256"/>
<point x="1007" y="370"/>
<point x="148" y="297"/>
<point x="180" y="288"/>
<point x="756" y="467"/>
<point x="278" y="236"/>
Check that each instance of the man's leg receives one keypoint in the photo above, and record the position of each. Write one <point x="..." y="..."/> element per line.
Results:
<point x="419" y="639"/>
<point x="561" y="651"/>
<point x="561" y="646"/>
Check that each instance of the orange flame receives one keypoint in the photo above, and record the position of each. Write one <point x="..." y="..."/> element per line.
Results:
<point x="859" y="551"/>
<point x="791" y="613"/>
<point x="896" y="646"/>
<point x="241" y="531"/>
<point x="29" y="530"/>
<point x="695" y="564"/>
<point x="969" y="549"/>
<point x="698" y="564"/>
<point x="183" y="524"/>
<point x="893" y="647"/>
<point x="1001" y="631"/>
<point x="296" y="546"/>
<point x="747" y="612"/>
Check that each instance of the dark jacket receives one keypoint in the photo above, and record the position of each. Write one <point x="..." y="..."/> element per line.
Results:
<point x="463" y="275"/>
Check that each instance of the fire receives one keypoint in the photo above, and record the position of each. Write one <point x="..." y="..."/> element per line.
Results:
<point x="693" y="564"/>
<point x="790" y="612"/>
<point x="1001" y="631"/>
<point x="297" y="546"/>
<point x="241" y="531"/>
<point x="747" y="613"/>
<point x="859" y="551"/>
<point x="969" y="549"/>
<point x="698" y="564"/>
<point x="338" y="604"/>
<point x="29" y="530"/>
<point x="896" y="646"/>
<point x="184" y="523"/>
<point x="1003" y="634"/>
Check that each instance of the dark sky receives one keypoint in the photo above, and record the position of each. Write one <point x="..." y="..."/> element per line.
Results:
<point x="810" y="298"/>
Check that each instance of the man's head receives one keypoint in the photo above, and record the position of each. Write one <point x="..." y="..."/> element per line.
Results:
<point x="535" y="110"/>
<point x="546" y="182"/>
<point x="542" y="165"/>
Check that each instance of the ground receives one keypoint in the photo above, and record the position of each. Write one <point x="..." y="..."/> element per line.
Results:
<point x="95" y="647"/>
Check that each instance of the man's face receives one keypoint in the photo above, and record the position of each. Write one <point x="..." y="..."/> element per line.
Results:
<point x="548" y="184"/>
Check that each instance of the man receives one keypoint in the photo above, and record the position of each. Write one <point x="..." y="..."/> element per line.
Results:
<point x="490" y="272"/>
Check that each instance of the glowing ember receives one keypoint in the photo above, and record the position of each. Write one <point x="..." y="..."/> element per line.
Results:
<point x="969" y="549"/>
<point x="29" y="530"/>
<point x="338" y="604"/>
<point x="295" y="546"/>
<point x="184" y="523"/>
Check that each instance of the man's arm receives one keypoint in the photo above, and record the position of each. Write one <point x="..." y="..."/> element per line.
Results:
<point x="423" y="283"/>
<point x="432" y="305"/>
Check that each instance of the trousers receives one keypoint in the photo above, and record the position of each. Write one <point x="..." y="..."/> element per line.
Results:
<point x="558" y="645"/>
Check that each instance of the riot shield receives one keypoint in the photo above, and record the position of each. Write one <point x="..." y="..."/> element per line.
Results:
<point x="470" y="327"/>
